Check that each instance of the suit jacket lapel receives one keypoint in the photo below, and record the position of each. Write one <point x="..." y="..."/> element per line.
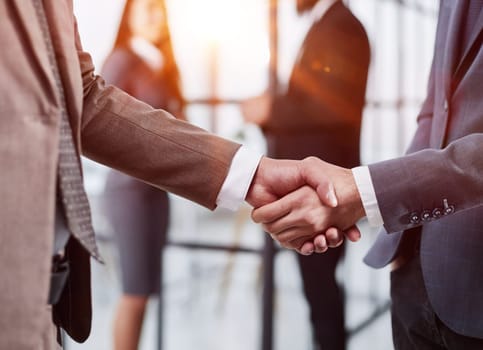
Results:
<point x="467" y="57"/>
<point x="453" y="39"/>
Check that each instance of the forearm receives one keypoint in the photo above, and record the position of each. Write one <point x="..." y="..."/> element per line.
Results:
<point x="124" y="133"/>
<point x="420" y="183"/>
<point x="149" y="144"/>
<point x="362" y="174"/>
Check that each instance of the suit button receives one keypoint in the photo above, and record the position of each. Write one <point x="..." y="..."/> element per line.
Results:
<point x="437" y="213"/>
<point x="426" y="216"/>
<point x="445" y="105"/>
<point x="414" y="218"/>
<point x="449" y="210"/>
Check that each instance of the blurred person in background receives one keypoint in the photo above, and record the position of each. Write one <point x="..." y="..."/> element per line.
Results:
<point x="142" y="63"/>
<point x="320" y="115"/>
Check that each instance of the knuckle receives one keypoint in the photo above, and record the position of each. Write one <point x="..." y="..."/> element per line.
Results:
<point x="300" y="196"/>
<point x="313" y="220"/>
<point x="309" y="218"/>
<point x="310" y="159"/>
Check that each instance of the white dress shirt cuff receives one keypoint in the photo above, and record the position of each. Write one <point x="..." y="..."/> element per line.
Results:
<point x="237" y="182"/>
<point x="363" y="180"/>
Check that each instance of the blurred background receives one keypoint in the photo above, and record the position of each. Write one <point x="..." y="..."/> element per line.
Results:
<point x="212" y="299"/>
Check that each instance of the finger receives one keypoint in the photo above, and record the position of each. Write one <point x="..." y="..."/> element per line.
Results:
<point x="320" y="244"/>
<point x="300" y="220"/>
<point x="303" y="198"/>
<point x="298" y="243"/>
<point x="302" y="247"/>
<point x="353" y="234"/>
<point x="289" y="222"/>
<point x="308" y="217"/>
<point x="291" y="235"/>
<point x="271" y="212"/>
<point x="334" y="237"/>
<point x="307" y="248"/>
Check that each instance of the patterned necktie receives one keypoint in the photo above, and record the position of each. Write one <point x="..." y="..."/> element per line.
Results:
<point x="70" y="186"/>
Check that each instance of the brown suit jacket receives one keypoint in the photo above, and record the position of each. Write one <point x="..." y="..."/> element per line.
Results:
<point x="109" y="126"/>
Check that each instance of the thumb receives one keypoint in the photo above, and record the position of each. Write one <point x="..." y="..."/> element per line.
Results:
<point x="326" y="193"/>
<point x="315" y="177"/>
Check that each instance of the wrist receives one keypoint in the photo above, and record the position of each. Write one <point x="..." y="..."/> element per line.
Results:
<point x="256" y="186"/>
<point x="350" y="195"/>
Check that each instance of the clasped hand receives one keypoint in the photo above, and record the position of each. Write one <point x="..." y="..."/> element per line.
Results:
<point x="307" y="205"/>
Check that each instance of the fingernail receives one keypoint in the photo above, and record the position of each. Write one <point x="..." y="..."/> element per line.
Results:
<point x="358" y="237"/>
<point x="331" y="196"/>
<point x="307" y="250"/>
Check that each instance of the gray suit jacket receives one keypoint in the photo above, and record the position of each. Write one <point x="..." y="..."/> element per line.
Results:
<point x="439" y="184"/>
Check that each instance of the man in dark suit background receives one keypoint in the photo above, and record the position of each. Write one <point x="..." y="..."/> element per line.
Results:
<point x="429" y="201"/>
<point x="320" y="115"/>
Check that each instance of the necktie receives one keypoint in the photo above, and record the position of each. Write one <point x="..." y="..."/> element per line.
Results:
<point x="70" y="186"/>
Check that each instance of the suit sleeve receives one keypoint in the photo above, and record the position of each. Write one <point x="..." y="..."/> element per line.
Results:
<point x="123" y="133"/>
<point x="430" y="184"/>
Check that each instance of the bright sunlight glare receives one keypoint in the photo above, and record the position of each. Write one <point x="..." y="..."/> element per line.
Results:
<point x="217" y="20"/>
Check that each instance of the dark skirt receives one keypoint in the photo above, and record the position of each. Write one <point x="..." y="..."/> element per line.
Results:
<point x="139" y="216"/>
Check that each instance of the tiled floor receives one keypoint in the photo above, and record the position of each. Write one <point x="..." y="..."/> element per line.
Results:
<point x="212" y="299"/>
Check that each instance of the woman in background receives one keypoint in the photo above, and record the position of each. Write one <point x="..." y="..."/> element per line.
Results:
<point x="141" y="63"/>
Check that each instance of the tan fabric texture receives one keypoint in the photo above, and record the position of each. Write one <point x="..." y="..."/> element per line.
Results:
<point x="108" y="126"/>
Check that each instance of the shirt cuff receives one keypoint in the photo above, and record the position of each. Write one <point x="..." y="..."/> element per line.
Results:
<point x="363" y="180"/>
<point x="237" y="182"/>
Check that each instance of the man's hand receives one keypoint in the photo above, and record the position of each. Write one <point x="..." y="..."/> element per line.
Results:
<point x="302" y="221"/>
<point x="275" y="178"/>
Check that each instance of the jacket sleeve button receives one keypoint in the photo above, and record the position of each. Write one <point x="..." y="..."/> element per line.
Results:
<point x="449" y="210"/>
<point x="437" y="213"/>
<point x="426" y="215"/>
<point x="414" y="218"/>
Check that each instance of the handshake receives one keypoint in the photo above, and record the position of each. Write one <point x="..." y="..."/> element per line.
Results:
<point x="306" y="205"/>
